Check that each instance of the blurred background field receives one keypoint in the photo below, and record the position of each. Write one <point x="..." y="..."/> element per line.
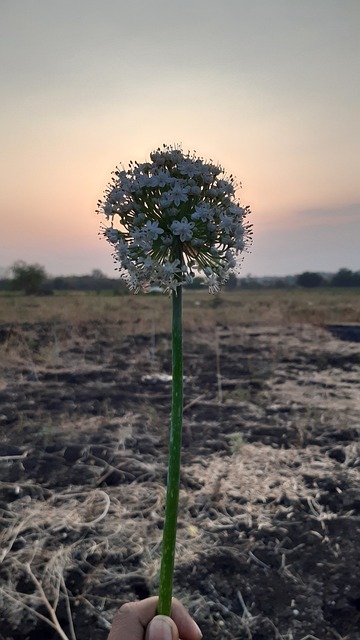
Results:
<point x="138" y="313"/>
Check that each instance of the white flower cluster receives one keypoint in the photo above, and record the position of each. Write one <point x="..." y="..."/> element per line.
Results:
<point x="173" y="218"/>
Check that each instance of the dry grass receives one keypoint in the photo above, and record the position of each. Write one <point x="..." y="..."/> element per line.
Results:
<point x="51" y="534"/>
<point x="66" y="318"/>
<point x="138" y="314"/>
<point x="112" y="534"/>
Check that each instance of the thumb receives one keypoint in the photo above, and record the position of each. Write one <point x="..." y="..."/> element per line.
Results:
<point x="162" y="628"/>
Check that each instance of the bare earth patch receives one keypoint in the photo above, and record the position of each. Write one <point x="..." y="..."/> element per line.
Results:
<point x="270" y="498"/>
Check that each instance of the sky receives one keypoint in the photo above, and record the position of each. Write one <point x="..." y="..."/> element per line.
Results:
<point x="268" y="88"/>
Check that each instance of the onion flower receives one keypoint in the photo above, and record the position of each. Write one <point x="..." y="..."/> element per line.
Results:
<point x="169" y="220"/>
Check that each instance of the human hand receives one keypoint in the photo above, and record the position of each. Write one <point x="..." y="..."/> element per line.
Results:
<point x="138" y="621"/>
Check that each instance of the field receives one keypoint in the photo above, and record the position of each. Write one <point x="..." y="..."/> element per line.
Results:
<point x="269" y="517"/>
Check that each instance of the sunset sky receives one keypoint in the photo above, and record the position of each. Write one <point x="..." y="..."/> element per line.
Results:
<point x="268" y="88"/>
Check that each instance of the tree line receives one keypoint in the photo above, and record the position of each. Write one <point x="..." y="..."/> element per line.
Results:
<point x="343" y="278"/>
<point x="32" y="279"/>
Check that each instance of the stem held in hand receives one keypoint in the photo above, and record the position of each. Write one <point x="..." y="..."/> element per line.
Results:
<point x="173" y="482"/>
<point x="170" y="220"/>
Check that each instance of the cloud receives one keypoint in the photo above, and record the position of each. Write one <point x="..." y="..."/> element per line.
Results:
<point x="324" y="239"/>
<point x="339" y="213"/>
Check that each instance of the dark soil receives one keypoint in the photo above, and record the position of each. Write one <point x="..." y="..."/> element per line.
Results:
<point x="269" y="513"/>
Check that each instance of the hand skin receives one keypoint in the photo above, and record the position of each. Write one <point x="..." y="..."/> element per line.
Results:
<point x="138" y="621"/>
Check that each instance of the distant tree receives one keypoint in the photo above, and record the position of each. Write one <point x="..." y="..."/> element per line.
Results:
<point x="279" y="283"/>
<point x="231" y="282"/>
<point x="250" y="283"/>
<point x="98" y="280"/>
<point x="97" y="274"/>
<point x="4" y="284"/>
<point x="345" y="278"/>
<point x="90" y="283"/>
<point x="60" y="283"/>
<point x="29" y="278"/>
<point x="309" y="279"/>
<point x="197" y="283"/>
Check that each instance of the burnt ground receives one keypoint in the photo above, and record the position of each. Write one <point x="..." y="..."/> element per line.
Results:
<point x="270" y="496"/>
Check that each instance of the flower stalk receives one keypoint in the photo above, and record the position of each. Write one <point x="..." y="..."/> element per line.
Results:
<point x="170" y="220"/>
<point x="173" y="481"/>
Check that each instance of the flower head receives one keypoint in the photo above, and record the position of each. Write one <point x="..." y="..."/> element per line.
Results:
<point x="172" y="217"/>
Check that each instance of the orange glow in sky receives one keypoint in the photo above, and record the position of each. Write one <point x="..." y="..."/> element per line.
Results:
<point x="269" y="92"/>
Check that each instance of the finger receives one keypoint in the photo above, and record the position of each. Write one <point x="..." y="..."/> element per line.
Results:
<point x="161" y="628"/>
<point x="131" y="620"/>
<point x="188" y="629"/>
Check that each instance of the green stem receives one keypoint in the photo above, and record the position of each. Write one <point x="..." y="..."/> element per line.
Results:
<point x="173" y="480"/>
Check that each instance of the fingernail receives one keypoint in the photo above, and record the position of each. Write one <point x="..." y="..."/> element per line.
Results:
<point x="160" y="628"/>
